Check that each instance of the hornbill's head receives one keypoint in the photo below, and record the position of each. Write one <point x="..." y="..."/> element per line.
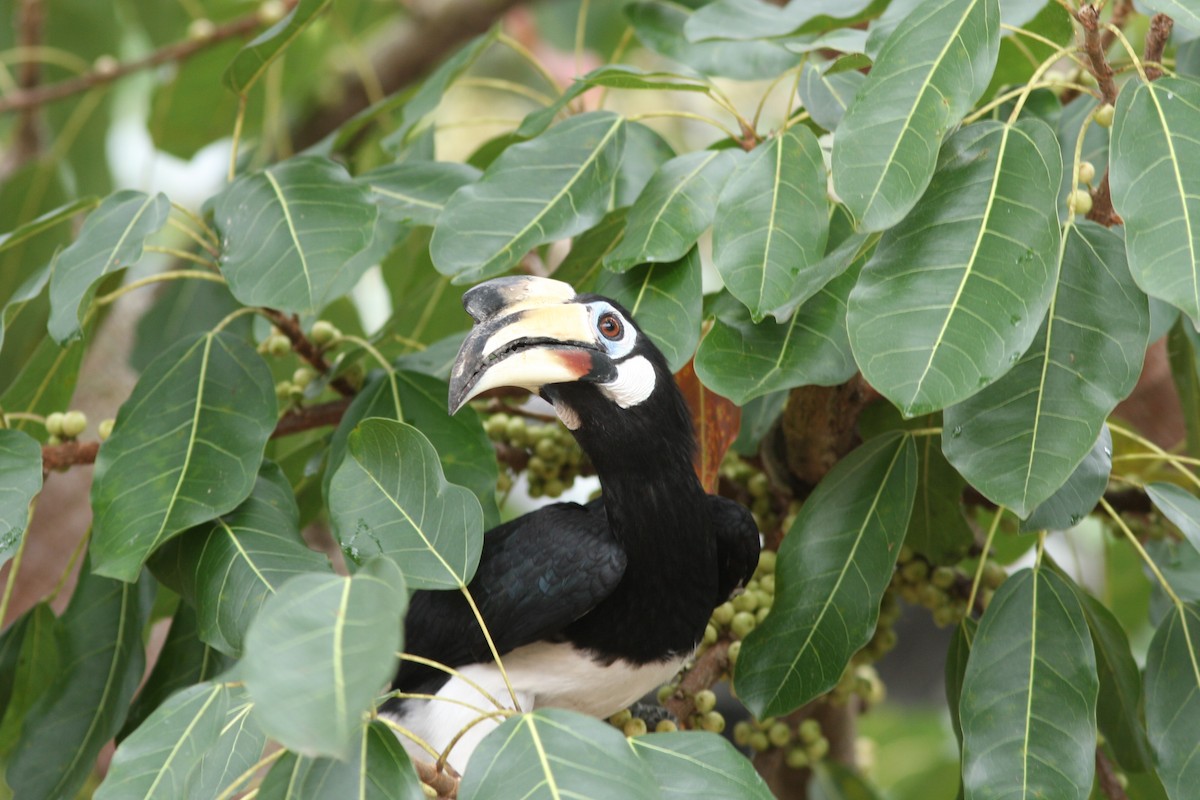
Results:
<point x="582" y="352"/>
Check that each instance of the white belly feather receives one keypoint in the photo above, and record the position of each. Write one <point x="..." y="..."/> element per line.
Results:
<point x="542" y="674"/>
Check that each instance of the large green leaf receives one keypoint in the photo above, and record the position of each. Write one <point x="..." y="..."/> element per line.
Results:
<point x="700" y="766"/>
<point x="45" y="383"/>
<point x="772" y="220"/>
<point x="31" y="657"/>
<point x="1076" y="498"/>
<point x="549" y="188"/>
<point x="466" y="454"/>
<point x="184" y="660"/>
<point x="1184" y="12"/>
<point x="429" y="95"/>
<point x="195" y="744"/>
<point x="1028" y="702"/>
<point x="660" y="26"/>
<point x="189" y="439"/>
<point x="390" y="497"/>
<point x="938" y="530"/>
<point x="20" y="482"/>
<point x="553" y="753"/>
<point x="645" y="151"/>
<point x="1118" y="705"/>
<point x="742" y="360"/>
<point x="675" y="208"/>
<point x="757" y="19"/>
<point x="1019" y="439"/>
<point x="340" y="637"/>
<point x="417" y="191"/>
<point x="666" y="301"/>
<point x="379" y="769"/>
<point x="85" y="705"/>
<point x="1154" y="185"/>
<point x="957" y="656"/>
<point x="930" y="71"/>
<point x="956" y="292"/>
<point x="258" y="54"/>
<point x="584" y="263"/>
<point x="181" y="309"/>
<point x="229" y="567"/>
<point x="828" y="96"/>
<point x="290" y="234"/>
<point x="1183" y="353"/>
<point x="1173" y="700"/>
<point x="834" y="564"/>
<point x="111" y="239"/>
<point x="1179" y="506"/>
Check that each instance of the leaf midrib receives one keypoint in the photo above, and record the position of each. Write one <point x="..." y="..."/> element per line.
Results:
<point x="287" y="216"/>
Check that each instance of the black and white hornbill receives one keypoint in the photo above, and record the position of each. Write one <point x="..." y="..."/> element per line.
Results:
<point x="591" y="606"/>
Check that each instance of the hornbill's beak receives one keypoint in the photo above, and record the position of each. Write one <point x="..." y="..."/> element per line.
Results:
<point x="529" y="332"/>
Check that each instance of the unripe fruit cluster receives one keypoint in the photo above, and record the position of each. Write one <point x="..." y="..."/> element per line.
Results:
<point x="859" y="679"/>
<point x="555" y="460"/>
<point x="62" y="426"/>
<point x="736" y="618"/>
<point x="642" y="718"/>
<point x="804" y="744"/>
<point x="920" y="583"/>
<point x="756" y="484"/>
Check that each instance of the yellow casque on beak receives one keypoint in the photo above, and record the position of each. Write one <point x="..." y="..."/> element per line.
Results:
<point x="528" y="333"/>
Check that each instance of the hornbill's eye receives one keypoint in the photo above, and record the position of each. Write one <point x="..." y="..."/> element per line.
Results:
<point x="610" y="326"/>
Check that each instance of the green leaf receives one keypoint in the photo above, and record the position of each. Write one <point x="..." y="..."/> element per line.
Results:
<point x="665" y="300"/>
<point x="111" y="239"/>
<point x="827" y="95"/>
<point x="834" y="565"/>
<point x="1118" y="705"/>
<point x="182" y="309"/>
<point x="424" y="308"/>
<point x="1173" y="700"/>
<point x="85" y="705"/>
<point x="929" y="73"/>
<point x="416" y="191"/>
<point x="183" y="661"/>
<point x="584" y="263"/>
<point x="391" y="498"/>
<point x="45" y="383"/>
<point x="1185" y="12"/>
<point x="935" y="318"/>
<point x="615" y="76"/>
<point x="675" y="208"/>
<point x="194" y="745"/>
<point x="742" y="360"/>
<point x="938" y="530"/>
<point x="382" y="772"/>
<point x="772" y="220"/>
<point x="1154" y="186"/>
<point x="1183" y="352"/>
<point x="190" y="438"/>
<point x="289" y="231"/>
<point x="1020" y="438"/>
<point x="645" y="151"/>
<point x="1179" y="506"/>
<point x="1029" y="695"/>
<point x="21" y="480"/>
<point x="553" y="753"/>
<point x="549" y="188"/>
<point x="956" y="668"/>
<point x="258" y="54"/>
<point x="1076" y="498"/>
<point x="32" y="659"/>
<point x="700" y="766"/>
<point x="341" y="636"/>
<point x="755" y="19"/>
<point x="660" y="26"/>
<point x="832" y="781"/>
<point x="467" y="455"/>
<point x="429" y="95"/>
<point x="229" y="567"/>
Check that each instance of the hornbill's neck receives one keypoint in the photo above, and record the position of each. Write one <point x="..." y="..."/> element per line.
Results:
<point x="657" y="511"/>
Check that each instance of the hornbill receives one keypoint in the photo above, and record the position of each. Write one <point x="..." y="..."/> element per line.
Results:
<point x="591" y="606"/>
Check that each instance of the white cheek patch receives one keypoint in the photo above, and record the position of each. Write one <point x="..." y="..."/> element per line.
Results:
<point x="633" y="384"/>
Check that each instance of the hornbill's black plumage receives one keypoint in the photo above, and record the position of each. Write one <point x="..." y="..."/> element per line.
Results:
<point x="591" y="606"/>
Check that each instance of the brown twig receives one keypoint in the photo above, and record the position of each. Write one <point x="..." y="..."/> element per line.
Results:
<point x="27" y="98"/>
<point x="28" y="141"/>
<point x="708" y="669"/>
<point x="1106" y="777"/>
<point x="290" y="327"/>
<point x="1156" y="42"/>
<point x="1089" y="18"/>
<point x="68" y="454"/>
<point x="444" y="781"/>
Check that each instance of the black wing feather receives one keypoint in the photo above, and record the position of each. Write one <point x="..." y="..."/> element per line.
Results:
<point x="537" y="574"/>
<point x="738" y="544"/>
